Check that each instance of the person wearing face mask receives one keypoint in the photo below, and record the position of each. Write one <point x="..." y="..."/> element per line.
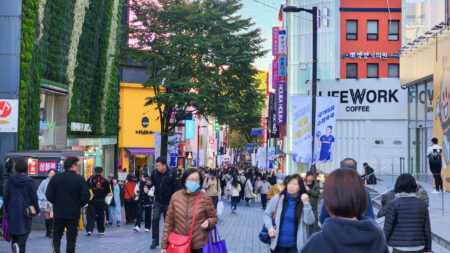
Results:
<point x="276" y="188"/>
<point x="181" y="211"/>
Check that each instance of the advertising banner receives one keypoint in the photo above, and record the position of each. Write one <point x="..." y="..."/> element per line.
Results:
<point x="281" y="103"/>
<point x="270" y="84"/>
<point x="9" y="115"/>
<point x="273" y="127"/>
<point x="282" y="68"/>
<point x="172" y="150"/>
<point x="282" y="42"/>
<point x="32" y="167"/>
<point x="275" y="31"/>
<point x="274" y="74"/>
<point x="190" y="129"/>
<point x="201" y="160"/>
<point x="261" y="158"/>
<point x="326" y="113"/>
<point x="157" y="136"/>
<point x="47" y="166"/>
<point x="301" y="128"/>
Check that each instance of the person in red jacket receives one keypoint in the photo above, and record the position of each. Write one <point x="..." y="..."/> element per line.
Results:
<point x="130" y="203"/>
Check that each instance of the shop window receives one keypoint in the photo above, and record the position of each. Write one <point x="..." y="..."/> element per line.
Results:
<point x="352" y="70"/>
<point x="393" y="30"/>
<point x="372" y="29"/>
<point x="393" y="70"/>
<point x="53" y="121"/>
<point x="352" y="30"/>
<point x="372" y="70"/>
<point x="379" y="142"/>
<point x="397" y="142"/>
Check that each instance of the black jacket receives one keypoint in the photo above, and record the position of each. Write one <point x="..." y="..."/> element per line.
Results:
<point x="345" y="236"/>
<point x="407" y="223"/>
<point x="99" y="186"/>
<point x="144" y="198"/>
<point x="68" y="192"/>
<point x="165" y="185"/>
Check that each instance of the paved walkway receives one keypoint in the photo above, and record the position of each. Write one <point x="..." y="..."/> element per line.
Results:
<point x="239" y="230"/>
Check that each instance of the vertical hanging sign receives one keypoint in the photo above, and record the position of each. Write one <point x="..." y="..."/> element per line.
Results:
<point x="281" y="104"/>
<point x="282" y="42"/>
<point x="274" y="73"/>
<point x="275" y="31"/>
<point x="282" y="68"/>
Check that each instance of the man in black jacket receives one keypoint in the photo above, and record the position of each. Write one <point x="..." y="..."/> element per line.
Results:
<point x="165" y="183"/>
<point x="67" y="192"/>
<point x="96" y="209"/>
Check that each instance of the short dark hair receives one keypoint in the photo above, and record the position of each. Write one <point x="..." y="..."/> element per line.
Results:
<point x="50" y="170"/>
<point x="161" y="160"/>
<point x="405" y="183"/>
<point x="434" y="140"/>
<point x="310" y="173"/>
<point x="344" y="194"/>
<point x="330" y="127"/>
<point x="349" y="163"/>
<point x="21" y="166"/>
<point x="189" y="172"/>
<point x="300" y="183"/>
<point x="70" y="161"/>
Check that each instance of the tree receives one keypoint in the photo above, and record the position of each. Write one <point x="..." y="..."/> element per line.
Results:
<point x="199" y="56"/>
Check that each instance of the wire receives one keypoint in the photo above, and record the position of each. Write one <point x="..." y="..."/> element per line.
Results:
<point x="270" y="6"/>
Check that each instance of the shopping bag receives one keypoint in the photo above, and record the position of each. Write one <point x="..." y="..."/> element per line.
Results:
<point x="108" y="199"/>
<point x="5" y="227"/>
<point x="216" y="246"/>
<point x="220" y="208"/>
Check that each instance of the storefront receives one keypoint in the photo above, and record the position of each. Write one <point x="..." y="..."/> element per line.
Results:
<point x="425" y="72"/>
<point x="139" y="127"/>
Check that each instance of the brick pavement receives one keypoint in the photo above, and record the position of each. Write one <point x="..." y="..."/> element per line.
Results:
<point x="240" y="232"/>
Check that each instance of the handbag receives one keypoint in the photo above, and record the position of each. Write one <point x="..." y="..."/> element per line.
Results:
<point x="264" y="234"/>
<point x="220" y="208"/>
<point x="5" y="227"/>
<point x="30" y="211"/>
<point x="182" y="243"/>
<point x="215" y="246"/>
<point x="109" y="198"/>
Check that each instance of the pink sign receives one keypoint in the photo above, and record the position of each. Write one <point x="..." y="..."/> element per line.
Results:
<point x="46" y="166"/>
<point x="275" y="31"/>
<point x="274" y="73"/>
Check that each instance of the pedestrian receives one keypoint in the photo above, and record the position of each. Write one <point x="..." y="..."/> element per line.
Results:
<point x="351" y="164"/>
<point x="129" y="199"/>
<point x="165" y="181"/>
<point x="111" y="175"/>
<point x="116" y="202"/>
<point x="276" y="188"/>
<point x="144" y="191"/>
<point x="265" y="186"/>
<point x="434" y="154"/>
<point x="347" y="230"/>
<point x="369" y="174"/>
<point x="45" y="206"/>
<point x="248" y="191"/>
<point x="234" y="189"/>
<point x="20" y="196"/>
<point x="422" y="194"/>
<point x="386" y="198"/>
<point x="293" y="214"/>
<point x="257" y="187"/>
<point x="407" y="223"/>
<point x="313" y="190"/>
<point x="180" y="215"/>
<point x="100" y="188"/>
<point x="68" y="192"/>
<point x="212" y="187"/>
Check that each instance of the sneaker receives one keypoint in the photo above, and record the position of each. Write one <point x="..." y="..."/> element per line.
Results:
<point x="435" y="192"/>
<point x="118" y="223"/>
<point x="15" y="248"/>
<point x="101" y="233"/>
<point x="89" y="233"/>
<point x="154" y="244"/>
<point x="147" y="230"/>
<point x="137" y="229"/>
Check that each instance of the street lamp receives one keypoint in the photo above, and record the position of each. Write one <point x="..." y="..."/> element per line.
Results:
<point x="312" y="11"/>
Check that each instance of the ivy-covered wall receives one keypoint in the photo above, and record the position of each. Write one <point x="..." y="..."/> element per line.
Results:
<point x="47" y="49"/>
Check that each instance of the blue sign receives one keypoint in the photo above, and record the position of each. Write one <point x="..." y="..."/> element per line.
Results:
<point x="189" y="129"/>
<point x="282" y="68"/>
<point x="257" y="131"/>
<point x="58" y="167"/>
<point x="249" y="145"/>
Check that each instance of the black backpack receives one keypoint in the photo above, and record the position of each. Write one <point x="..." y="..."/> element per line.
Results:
<point x="435" y="156"/>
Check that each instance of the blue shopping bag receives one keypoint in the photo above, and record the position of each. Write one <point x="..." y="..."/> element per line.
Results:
<point x="216" y="246"/>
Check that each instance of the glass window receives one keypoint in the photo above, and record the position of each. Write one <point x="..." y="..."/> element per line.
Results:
<point x="421" y="98"/>
<point x="352" y="30"/>
<point x="429" y="102"/>
<point x="352" y="70"/>
<point x="372" y="70"/>
<point x="393" y="26"/>
<point x="372" y="29"/>
<point x="393" y="70"/>
<point x="412" y="97"/>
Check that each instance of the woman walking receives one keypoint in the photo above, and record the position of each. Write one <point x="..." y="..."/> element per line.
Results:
<point x="180" y="217"/>
<point x="407" y="223"/>
<point x="248" y="191"/>
<point x="45" y="205"/>
<point x="20" y="194"/>
<point x="116" y="202"/>
<point x="234" y="189"/>
<point x="292" y="217"/>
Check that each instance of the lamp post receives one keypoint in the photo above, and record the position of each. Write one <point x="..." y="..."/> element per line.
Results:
<point x="198" y="143"/>
<point x="312" y="11"/>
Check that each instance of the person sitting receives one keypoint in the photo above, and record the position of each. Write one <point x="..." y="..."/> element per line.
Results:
<point x="369" y="174"/>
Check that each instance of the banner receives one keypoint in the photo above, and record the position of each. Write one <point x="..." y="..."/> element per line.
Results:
<point x="301" y="128"/>
<point x="282" y="42"/>
<point x="190" y="129"/>
<point x="172" y="150"/>
<point x="273" y="127"/>
<point x="201" y="160"/>
<point x="282" y="68"/>
<point x="262" y="163"/>
<point x="9" y="115"/>
<point x="157" y="136"/>
<point x="274" y="74"/>
<point x="275" y="31"/>
<point x="281" y="104"/>
<point x="326" y="112"/>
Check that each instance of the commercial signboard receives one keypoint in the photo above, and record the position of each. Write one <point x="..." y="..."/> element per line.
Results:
<point x="47" y="166"/>
<point x="273" y="127"/>
<point x="281" y="103"/>
<point x="9" y="115"/>
<point x="326" y="114"/>
<point x="275" y="31"/>
<point x="282" y="42"/>
<point x="190" y="129"/>
<point x="282" y="68"/>
<point x="301" y="113"/>
<point x="32" y="167"/>
<point x="274" y="74"/>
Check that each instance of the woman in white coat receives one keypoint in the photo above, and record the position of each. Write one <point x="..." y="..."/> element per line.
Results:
<point x="45" y="205"/>
<point x="248" y="191"/>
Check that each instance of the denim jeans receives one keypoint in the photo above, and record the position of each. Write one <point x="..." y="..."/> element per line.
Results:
<point x="234" y="201"/>
<point x="116" y="210"/>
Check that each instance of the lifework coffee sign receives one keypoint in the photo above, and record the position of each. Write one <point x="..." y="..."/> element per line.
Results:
<point x="367" y="99"/>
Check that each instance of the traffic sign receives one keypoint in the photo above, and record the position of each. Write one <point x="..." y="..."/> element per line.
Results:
<point x="217" y="127"/>
<point x="257" y="131"/>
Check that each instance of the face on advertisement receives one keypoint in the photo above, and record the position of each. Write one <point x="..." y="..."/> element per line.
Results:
<point x="328" y="131"/>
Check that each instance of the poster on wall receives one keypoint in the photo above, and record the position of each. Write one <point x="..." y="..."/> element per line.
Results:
<point x="301" y="128"/>
<point x="326" y="112"/>
<point x="157" y="137"/>
<point x="172" y="150"/>
<point x="9" y="115"/>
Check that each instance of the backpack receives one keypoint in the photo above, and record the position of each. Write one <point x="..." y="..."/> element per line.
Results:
<point x="436" y="156"/>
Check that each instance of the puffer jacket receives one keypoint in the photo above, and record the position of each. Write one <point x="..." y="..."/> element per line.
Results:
<point x="180" y="213"/>
<point x="314" y="194"/>
<point x="407" y="223"/>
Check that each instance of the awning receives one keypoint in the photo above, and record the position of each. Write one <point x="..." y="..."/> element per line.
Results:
<point x="141" y="151"/>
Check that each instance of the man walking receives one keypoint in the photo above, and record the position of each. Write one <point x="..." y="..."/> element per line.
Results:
<point x="165" y="182"/>
<point x="434" y="154"/>
<point x="68" y="192"/>
<point x="100" y="187"/>
<point x="212" y="187"/>
<point x="265" y="186"/>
